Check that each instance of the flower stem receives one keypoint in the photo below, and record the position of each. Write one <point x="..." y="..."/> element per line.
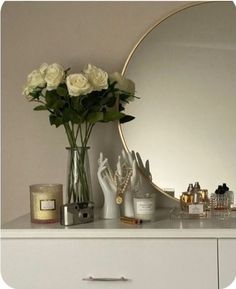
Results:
<point x="69" y="133"/>
<point x="78" y="188"/>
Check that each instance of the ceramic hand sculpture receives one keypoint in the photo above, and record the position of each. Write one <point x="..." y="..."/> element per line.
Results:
<point x="145" y="169"/>
<point x="122" y="183"/>
<point x="127" y="162"/>
<point x="108" y="184"/>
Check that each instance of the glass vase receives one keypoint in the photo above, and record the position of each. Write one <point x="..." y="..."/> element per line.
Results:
<point x="79" y="188"/>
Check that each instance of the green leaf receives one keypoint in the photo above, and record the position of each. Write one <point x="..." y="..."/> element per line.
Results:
<point x="121" y="107"/>
<point x="67" y="70"/>
<point x="126" y="118"/>
<point x="94" y="117"/>
<point x="111" y="102"/>
<point x="105" y="99"/>
<point x="59" y="104"/>
<point x="76" y="105"/>
<point x="51" y="97"/>
<point x="62" y="91"/>
<point x="90" y="100"/>
<point x="124" y="97"/>
<point x="70" y="115"/>
<point x="112" y="115"/>
<point x="35" y="94"/>
<point x="40" y="107"/>
<point x="55" y="120"/>
<point x="96" y="108"/>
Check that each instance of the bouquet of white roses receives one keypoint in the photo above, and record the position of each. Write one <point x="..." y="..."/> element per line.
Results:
<point x="79" y="100"/>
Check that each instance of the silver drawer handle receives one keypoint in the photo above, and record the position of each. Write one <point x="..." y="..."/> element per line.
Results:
<point x="105" y="279"/>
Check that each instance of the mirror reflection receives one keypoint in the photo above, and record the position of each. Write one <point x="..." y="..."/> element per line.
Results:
<point x="185" y="74"/>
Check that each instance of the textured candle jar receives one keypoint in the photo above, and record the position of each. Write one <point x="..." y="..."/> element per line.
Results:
<point x="144" y="206"/>
<point x="45" y="203"/>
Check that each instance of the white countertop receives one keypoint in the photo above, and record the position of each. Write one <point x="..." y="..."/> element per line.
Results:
<point x="162" y="227"/>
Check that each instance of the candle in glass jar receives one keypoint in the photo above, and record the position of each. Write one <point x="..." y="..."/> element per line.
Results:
<point x="45" y="203"/>
<point x="144" y="206"/>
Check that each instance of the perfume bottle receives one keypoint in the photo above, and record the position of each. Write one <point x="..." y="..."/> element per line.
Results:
<point x="220" y="202"/>
<point x="186" y="198"/>
<point x="197" y="208"/>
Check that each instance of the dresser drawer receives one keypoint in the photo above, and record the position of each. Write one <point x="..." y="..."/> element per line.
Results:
<point x="227" y="257"/>
<point x="146" y="263"/>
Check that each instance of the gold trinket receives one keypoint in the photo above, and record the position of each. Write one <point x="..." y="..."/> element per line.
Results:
<point x="119" y="200"/>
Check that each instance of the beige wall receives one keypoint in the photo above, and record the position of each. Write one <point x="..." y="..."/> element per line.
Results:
<point x="73" y="34"/>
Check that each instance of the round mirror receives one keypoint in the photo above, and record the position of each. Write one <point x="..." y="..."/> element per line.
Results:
<point x="185" y="120"/>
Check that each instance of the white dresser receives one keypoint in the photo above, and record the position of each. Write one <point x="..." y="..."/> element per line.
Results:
<point x="164" y="254"/>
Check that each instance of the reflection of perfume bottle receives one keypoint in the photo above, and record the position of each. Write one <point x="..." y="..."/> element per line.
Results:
<point x="197" y="196"/>
<point x="229" y="193"/>
<point x="205" y="198"/>
<point x="231" y="197"/>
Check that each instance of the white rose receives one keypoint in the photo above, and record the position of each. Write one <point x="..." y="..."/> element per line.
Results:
<point x="78" y="84"/>
<point x="54" y="76"/>
<point x="123" y="83"/>
<point x="26" y="92"/>
<point x="35" y="79"/>
<point x="43" y="69"/>
<point x="97" y="77"/>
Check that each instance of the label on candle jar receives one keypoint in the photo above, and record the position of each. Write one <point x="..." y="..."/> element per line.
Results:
<point x="145" y="206"/>
<point x="47" y="205"/>
<point x="45" y="202"/>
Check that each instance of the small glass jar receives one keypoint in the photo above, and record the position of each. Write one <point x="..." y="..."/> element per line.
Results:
<point x="144" y="206"/>
<point x="45" y="203"/>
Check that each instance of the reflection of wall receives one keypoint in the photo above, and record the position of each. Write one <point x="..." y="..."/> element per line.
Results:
<point x="187" y="86"/>
<point x="72" y="34"/>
